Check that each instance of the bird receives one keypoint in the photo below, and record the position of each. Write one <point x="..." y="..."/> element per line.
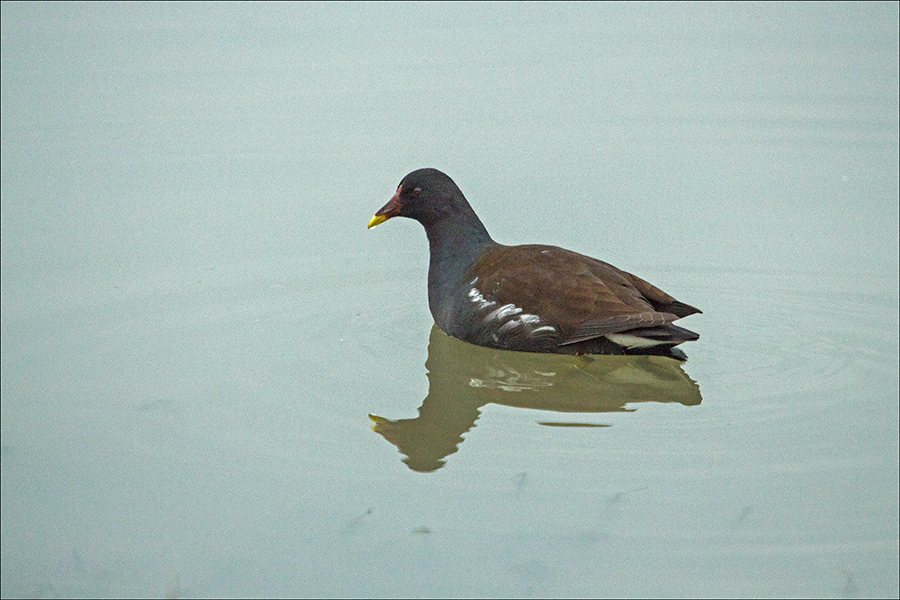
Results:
<point x="533" y="297"/>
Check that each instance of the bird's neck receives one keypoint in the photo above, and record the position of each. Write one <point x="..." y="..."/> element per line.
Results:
<point x="456" y="242"/>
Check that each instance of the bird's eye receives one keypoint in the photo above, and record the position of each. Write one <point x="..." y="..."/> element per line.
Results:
<point x="416" y="191"/>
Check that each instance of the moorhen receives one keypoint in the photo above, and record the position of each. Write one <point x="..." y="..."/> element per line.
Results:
<point x="530" y="298"/>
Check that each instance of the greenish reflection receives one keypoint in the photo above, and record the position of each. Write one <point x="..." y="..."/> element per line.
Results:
<point x="463" y="378"/>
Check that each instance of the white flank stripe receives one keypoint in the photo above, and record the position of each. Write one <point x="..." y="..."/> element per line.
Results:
<point x="507" y="310"/>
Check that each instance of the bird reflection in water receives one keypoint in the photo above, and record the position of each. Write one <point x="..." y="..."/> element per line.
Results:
<point x="463" y="377"/>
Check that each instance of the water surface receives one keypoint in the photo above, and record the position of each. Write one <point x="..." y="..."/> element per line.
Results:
<point x="199" y="335"/>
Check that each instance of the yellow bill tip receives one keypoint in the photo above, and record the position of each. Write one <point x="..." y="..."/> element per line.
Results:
<point x="377" y="220"/>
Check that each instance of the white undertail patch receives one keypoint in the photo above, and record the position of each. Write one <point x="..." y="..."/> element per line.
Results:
<point x="632" y="341"/>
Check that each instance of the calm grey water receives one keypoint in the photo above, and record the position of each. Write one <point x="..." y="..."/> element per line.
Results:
<point x="199" y="335"/>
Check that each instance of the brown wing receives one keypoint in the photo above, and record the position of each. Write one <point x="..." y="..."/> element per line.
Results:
<point x="581" y="296"/>
<point x="601" y="326"/>
<point x="660" y="300"/>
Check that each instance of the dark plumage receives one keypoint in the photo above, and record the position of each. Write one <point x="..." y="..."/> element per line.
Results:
<point x="530" y="298"/>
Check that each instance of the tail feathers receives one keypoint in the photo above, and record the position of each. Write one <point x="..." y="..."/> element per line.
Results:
<point x="651" y="337"/>
<point x="680" y="309"/>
